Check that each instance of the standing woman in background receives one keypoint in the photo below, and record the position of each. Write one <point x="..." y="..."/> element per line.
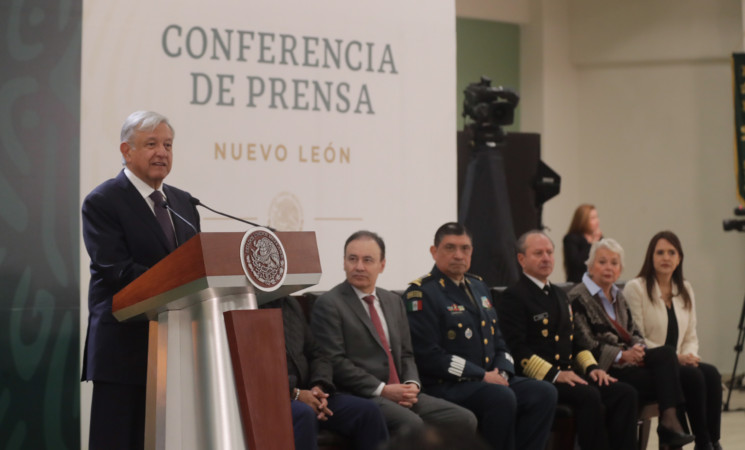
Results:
<point x="662" y="304"/>
<point x="583" y="231"/>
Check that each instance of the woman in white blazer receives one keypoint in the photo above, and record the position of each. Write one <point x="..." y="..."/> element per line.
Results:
<point x="663" y="306"/>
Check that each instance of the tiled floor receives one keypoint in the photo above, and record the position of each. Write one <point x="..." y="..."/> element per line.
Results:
<point x="733" y="425"/>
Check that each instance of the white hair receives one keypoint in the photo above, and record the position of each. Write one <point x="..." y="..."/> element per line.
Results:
<point x="606" y="243"/>
<point x="142" y="120"/>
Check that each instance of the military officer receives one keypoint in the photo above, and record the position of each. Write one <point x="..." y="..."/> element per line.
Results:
<point x="538" y="326"/>
<point x="460" y="352"/>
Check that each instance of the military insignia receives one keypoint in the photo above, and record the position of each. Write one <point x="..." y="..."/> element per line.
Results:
<point x="538" y="317"/>
<point x="485" y="302"/>
<point x="415" y="305"/>
<point x="418" y="281"/>
<point x="469" y="333"/>
<point x="414" y="294"/>
<point x="442" y="282"/>
<point x="492" y="331"/>
<point x="451" y="335"/>
<point x="474" y="276"/>
<point x="453" y="308"/>
<point x="544" y="332"/>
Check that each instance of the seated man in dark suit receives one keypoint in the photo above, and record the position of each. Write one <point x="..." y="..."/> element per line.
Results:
<point x="461" y="354"/>
<point x="315" y="404"/>
<point x="364" y="330"/>
<point x="538" y="326"/>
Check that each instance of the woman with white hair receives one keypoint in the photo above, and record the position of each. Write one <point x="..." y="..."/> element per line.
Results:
<point x="604" y="324"/>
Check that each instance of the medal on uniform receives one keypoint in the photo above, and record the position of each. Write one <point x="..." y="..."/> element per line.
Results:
<point x="469" y="333"/>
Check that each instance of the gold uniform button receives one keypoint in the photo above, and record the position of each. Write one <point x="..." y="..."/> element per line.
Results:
<point x="571" y="337"/>
<point x="483" y="323"/>
<point x="557" y="356"/>
<point x="460" y="325"/>
<point x="570" y="356"/>
<point x="556" y="338"/>
<point x="486" y="341"/>
<point x="486" y="359"/>
<point x="545" y="321"/>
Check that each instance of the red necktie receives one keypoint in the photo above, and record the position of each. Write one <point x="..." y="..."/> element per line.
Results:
<point x="392" y="375"/>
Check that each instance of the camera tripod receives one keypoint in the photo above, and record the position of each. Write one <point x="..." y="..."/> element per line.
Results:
<point x="738" y="350"/>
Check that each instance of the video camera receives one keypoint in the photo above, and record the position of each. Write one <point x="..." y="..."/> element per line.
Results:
<point x="490" y="108"/>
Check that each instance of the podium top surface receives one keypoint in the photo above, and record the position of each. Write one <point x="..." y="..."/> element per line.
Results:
<point x="216" y="256"/>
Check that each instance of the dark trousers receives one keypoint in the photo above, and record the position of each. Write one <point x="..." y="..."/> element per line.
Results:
<point x="357" y="418"/>
<point x="117" y="417"/>
<point x="702" y="389"/>
<point x="519" y="416"/>
<point x="605" y="415"/>
<point x="658" y="380"/>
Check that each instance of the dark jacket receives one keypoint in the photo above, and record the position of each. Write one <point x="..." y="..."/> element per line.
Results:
<point x="454" y="339"/>
<point x="123" y="239"/>
<point x="307" y="366"/>
<point x="539" y="329"/>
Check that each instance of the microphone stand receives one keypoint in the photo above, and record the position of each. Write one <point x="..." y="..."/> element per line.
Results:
<point x="195" y="201"/>
<point x="738" y="350"/>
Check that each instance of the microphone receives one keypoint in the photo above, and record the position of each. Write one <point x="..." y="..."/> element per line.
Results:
<point x="195" y="201"/>
<point x="168" y="207"/>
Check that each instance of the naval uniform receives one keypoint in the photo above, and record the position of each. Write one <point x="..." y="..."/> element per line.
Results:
<point x="538" y="325"/>
<point x="456" y="340"/>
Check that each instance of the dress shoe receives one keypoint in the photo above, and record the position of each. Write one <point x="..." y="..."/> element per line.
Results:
<point x="673" y="438"/>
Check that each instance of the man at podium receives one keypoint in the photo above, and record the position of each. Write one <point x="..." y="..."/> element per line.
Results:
<point x="127" y="228"/>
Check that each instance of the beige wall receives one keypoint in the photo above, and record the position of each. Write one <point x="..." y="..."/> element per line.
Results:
<point x="633" y="101"/>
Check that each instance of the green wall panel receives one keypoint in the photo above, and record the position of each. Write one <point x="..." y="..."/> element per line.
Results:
<point x="491" y="49"/>
<point x="39" y="224"/>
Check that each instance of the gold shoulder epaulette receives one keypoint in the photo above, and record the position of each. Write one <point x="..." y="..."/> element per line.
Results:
<point x="473" y="275"/>
<point x="420" y="280"/>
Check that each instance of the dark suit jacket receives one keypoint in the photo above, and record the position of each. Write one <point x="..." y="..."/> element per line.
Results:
<point x="346" y="333"/>
<point x="539" y="329"/>
<point x="307" y="365"/>
<point x="453" y="338"/>
<point x="576" y="251"/>
<point x="123" y="239"/>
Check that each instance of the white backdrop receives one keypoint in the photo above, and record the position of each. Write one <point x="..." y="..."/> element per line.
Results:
<point x="377" y="151"/>
<point x="371" y="80"/>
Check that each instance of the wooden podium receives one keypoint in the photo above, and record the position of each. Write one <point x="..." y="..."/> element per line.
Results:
<point x="192" y="399"/>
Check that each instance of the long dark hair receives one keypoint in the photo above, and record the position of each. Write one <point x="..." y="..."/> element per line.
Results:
<point x="648" y="273"/>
